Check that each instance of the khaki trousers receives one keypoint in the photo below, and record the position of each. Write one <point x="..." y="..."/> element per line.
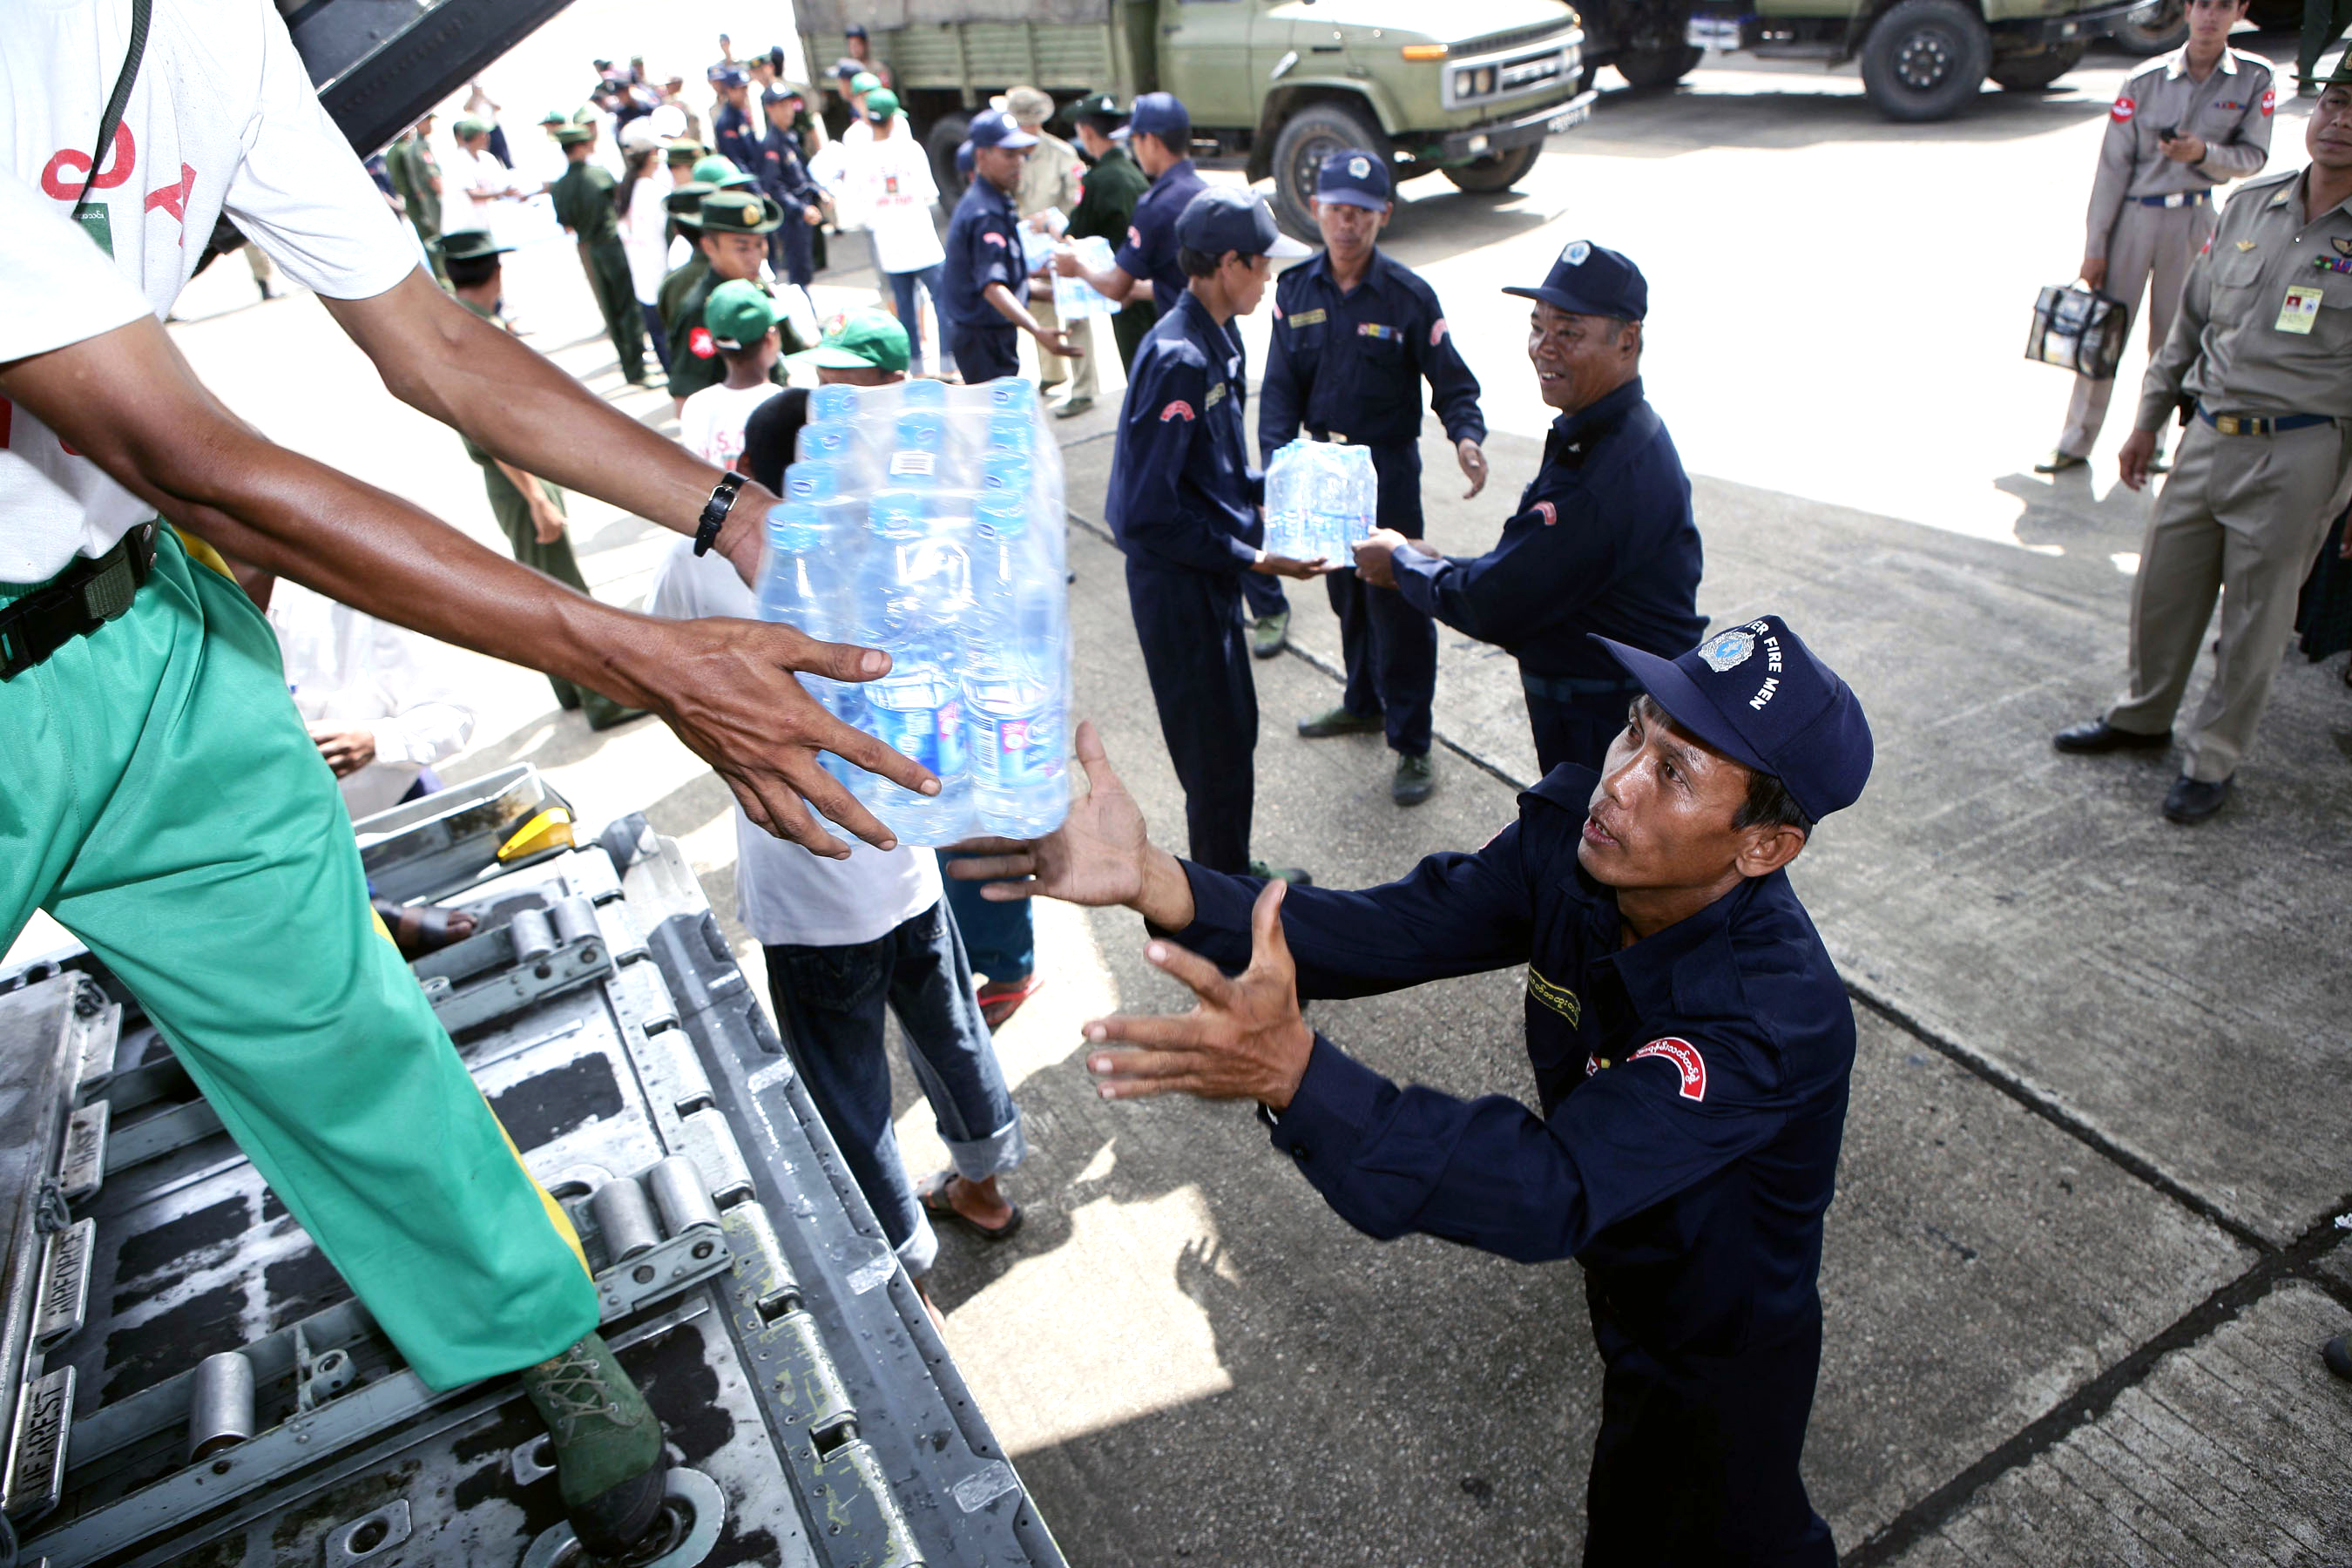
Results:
<point x="2241" y="518"/>
<point x="1053" y="368"/>
<point x="2149" y="244"/>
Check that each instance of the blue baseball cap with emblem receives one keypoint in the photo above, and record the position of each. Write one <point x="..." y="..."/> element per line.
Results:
<point x="1757" y="694"/>
<point x="994" y="128"/>
<point x="1233" y="218"/>
<point x="1589" y="279"/>
<point x="1160" y="114"/>
<point x="1354" y="177"/>
<point x="731" y="76"/>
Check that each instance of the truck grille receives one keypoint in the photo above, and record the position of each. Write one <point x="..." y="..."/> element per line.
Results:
<point x="1511" y="40"/>
<point x="1483" y="75"/>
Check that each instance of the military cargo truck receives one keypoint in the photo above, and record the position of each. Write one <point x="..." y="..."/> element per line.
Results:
<point x="1273" y="85"/>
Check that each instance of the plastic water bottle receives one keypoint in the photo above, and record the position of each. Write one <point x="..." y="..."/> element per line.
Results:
<point x="1019" y="787"/>
<point x="1289" y="477"/>
<point x="924" y="393"/>
<point x="913" y="593"/>
<point x="922" y="448"/>
<point x="835" y="402"/>
<point x="1011" y="392"/>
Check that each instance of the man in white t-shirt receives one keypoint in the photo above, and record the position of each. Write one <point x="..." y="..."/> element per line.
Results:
<point x="848" y="941"/>
<point x="159" y="795"/>
<point x="382" y="704"/>
<point x="880" y="178"/>
<point x="743" y="320"/>
<point x="473" y="184"/>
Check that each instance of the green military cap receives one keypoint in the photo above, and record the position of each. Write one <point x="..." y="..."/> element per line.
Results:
<point x="684" y="201"/>
<point x="1104" y="104"/>
<point x="738" y="314"/>
<point x="864" y="82"/>
<point x="572" y="135"/>
<point x="881" y="103"/>
<point x="678" y="147"/>
<point x="553" y="117"/>
<point x="858" y="340"/>
<point x="721" y="174"/>
<point x="739" y="212"/>
<point x="2342" y="75"/>
<point x="469" y="245"/>
<point x="470" y="126"/>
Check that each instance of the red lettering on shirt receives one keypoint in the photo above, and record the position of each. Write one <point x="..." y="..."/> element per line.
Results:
<point x="1179" y="409"/>
<point x="2123" y="108"/>
<point x="700" y="343"/>
<point x="2270" y="102"/>
<point x="1545" y="511"/>
<point x="73" y="163"/>
<point x="1437" y="332"/>
<point x="1686" y="1060"/>
<point x="173" y="199"/>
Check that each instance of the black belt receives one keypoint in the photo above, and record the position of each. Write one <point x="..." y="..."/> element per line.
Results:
<point x="1571" y="687"/>
<point x="2177" y="199"/>
<point x="76" y="602"/>
<point x="2261" y="423"/>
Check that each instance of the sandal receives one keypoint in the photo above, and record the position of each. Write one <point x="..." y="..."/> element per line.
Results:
<point x="933" y="1195"/>
<point x="999" y="1003"/>
<point x="419" y="929"/>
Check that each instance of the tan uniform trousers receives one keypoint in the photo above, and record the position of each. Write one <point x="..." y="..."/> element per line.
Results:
<point x="1052" y="368"/>
<point x="2148" y="245"/>
<point x="2241" y="518"/>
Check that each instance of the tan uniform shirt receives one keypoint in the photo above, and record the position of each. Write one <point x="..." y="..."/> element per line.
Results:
<point x="2230" y="109"/>
<point x="1053" y="177"/>
<point x="2234" y="346"/>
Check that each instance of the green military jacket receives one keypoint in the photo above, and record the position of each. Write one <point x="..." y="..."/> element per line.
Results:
<point x="411" y="164"/>
<point x="674" y="287"/>
<point x="1112" y="187"/>
<point x="695" y="360"/>
<point x="583" y="204"/>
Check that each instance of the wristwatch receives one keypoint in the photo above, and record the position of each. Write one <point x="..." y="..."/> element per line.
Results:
<point x="715" y="511"/>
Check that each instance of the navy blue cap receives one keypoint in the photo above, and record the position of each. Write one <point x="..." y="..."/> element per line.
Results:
<point x="1592" y="280"/>
<point x="994" y="128"/>
<point x="1160" y="114"/>
<point x="1756" y="693"/>
<point x="1356" y="177"/>
<point x="1234" y="217"/>
<point x="963" y="158"/>
<point x="731" y="76"/>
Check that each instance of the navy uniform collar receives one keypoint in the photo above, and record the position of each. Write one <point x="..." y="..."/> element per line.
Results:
<point x="1648" y="966"/>
<point x="1595" y="417"/>
<point x="1375" y="271"/>
<point x="1181" y="167"/>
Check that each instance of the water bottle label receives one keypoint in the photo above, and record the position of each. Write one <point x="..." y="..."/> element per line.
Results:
<point x="919" y="464"/>
<point x="1011" y="753"/>
<point x="931" y="736"/>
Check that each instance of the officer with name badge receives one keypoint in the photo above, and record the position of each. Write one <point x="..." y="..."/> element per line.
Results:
<point x="1603" y="541"/>
<point x="2263" y="354"/>
<point x="1184" y="505"/>
<point x="1692" y="1047"/>
<point x="986" y="276"/>
<point x="1354" y="333"/>
<point x="2182" y="124"/>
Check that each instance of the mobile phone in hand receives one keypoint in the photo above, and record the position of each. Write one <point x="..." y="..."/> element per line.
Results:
<point x="2169" y="133"/>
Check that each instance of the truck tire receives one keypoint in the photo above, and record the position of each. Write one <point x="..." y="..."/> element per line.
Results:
<point x="1305" y="138"/>
<point x="1497" y="172"/>
<point x="940" y="143"/>
<point x="1924" y="59"/>
<point x="2160" y="34"/>
<point x="2031" y="73"/>
<point x="1657" y="68"/>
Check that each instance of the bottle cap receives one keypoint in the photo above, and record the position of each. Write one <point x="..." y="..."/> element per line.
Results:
<point x="811" y="482"/>
<point x="794" y="528"/>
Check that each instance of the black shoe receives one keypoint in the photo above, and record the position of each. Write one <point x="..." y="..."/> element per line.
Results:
<point x="2337" y="1354"/>
<point x="1414" y="779"/>
<point x="2059" y="462"/>
<point x="2098" y="735"/>
<point x="2194" y="800"/>
<point x="1339" y="722"/>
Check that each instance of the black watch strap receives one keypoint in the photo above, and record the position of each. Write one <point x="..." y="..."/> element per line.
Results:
<point x="715" y="511"/>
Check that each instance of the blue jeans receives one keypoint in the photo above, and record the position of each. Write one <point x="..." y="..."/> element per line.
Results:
<point x="902" y="290"/>
<point x="999" y="939"/>
<point x="830" y="1001"/>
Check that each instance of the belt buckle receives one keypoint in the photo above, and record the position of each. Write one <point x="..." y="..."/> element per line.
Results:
<point x="2226" y="423"/>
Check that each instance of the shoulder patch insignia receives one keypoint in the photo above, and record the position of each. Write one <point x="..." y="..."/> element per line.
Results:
<point x="2270" y="102"/>
<point x="1545" y="511"/>
<point x="992" y="237"/>
<point x="700" y="343"/>
<point x="2124" y="107"/>
<point x="1135" y="236"/>
<point x="1179" y="409"/>
<point x="1686" y="1060"/>
<point x="1437" y="332"/>
<point x="1314" y="317"/>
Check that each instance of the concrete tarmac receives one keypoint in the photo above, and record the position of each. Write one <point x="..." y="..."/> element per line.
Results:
<point x="2085" y="1245"/>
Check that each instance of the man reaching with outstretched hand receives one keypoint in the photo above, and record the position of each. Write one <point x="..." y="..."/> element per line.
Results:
<point x="1690" y="1040"/>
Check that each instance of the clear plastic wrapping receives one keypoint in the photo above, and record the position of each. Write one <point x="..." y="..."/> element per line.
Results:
<point x="1320" y="501"/>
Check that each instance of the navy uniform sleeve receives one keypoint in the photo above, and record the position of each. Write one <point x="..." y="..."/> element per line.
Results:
<point x="1280" y="398"/>
<point x="1136" y="257"/>
<point x="1493" y="1174"/>
<point x="1453" y="389"/>
<point x="1553" y="559"/>
<point x="1160" y="421"/>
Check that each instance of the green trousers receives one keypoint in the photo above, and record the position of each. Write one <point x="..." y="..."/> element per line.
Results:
<point x="161" y="798"/>
<point x="556" y="560"/>
<point x="616" y="297"/>
<point x="2324" y="22"/>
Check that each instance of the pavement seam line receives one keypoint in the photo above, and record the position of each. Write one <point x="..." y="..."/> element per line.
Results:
<point x="2296" y="1261"/>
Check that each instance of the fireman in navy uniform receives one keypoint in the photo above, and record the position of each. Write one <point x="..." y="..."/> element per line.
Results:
<point x="985" y="279"/>
<point x="1354" y="333"/>
<point x="1691" y="1043"/>
<point x="1184" y="505"/>
<point x="1603" y="541"/>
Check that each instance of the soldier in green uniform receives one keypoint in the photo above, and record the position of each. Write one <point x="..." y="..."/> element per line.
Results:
<point x="417" y="180"/>
<point x="530" y="509"/>
<point x="711" y="172"/>
<point x="735" y="226"/>
<point x="584" y="205"/>
<point x="1113" y="185"/>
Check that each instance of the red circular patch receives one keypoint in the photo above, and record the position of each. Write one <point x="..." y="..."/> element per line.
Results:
<point x="2123" y="108"/>
<point x="700" y="344"/>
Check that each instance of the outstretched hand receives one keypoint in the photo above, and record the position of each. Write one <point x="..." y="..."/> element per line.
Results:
<point x="1245" y="1038"/>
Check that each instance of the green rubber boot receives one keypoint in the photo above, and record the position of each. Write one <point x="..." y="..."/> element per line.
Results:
<point x="608" y="1446"/>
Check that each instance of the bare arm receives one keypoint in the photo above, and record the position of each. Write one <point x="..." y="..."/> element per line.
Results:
<point x="1011" y="308"/>
<point x="441" y="358"/>
<point x="127" y="400"/>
